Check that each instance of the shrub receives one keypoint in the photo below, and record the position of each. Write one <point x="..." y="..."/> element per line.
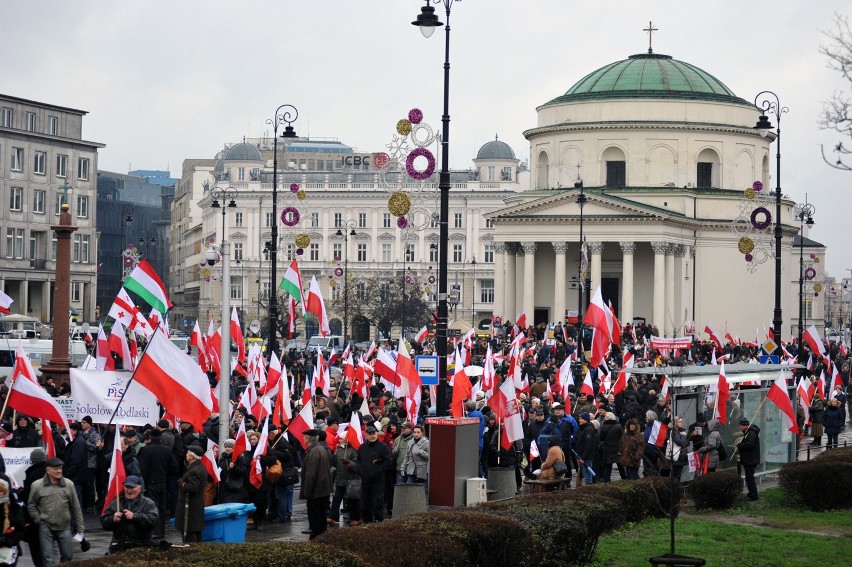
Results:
<point x="391" y="543"/>
<point x="840" y="455"/>
<point x="819" y="484"/>
<point x="489" y="540"/>
<point x="639" y="499"/>
<point x="717" y="490"/>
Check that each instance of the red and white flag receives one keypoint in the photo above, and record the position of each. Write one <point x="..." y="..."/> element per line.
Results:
<point x="200" y="343"/>
<point x="28" y="397"/>
<point x="237" y="335"/>
<point x="708" y="328"/>
<point x="353" y="432"/>
<point x="316" y="305"/>
<point x="778" y="395"/>
<point x="117" y="476"/>
<point x="811" y="336"/>
<point x="125" y="311"/>
<point x="174" y="378"/>
<point x="5" y="303"/>
<point x="623" y="375"/>
<point x="599" y="317"/>
<point x="616" y="327"/>
<point x="421" y="334"/>
<point x="534" y="450"/>
<point x="303" y="421"/>
<point x="210" y="458"/>
<point x="803" y="389"/>
<point x="103" y="356"/>
<point x="240" y="442"/>
<point x="564" y="377"/>
<point x="587" y="387"/>
<point x="505" y="406"/>
<point x="694" y="460"/>
<point x="118" y="345"/>
<point x="256" y="469"/>
<point x="411" y="386"/>
<point x="722" y="396"/>
<point x="385" y="366"/>
<point x="659" y="431"/>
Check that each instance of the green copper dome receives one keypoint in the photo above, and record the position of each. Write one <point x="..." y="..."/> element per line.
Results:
<point x="649" y="75"/>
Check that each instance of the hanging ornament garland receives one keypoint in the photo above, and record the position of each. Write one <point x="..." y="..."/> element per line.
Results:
<point x="753" y="224"/>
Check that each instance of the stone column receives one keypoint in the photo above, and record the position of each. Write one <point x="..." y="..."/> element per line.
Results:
<point x="60" y="362"/>
<point x="510" y="310"/>
<point x="659" y="311"/>
<point x="559" y="283"/>
<point x="499" y="279"/>
<point x="45" y="301"/>
<point x="670" y="315"/>
<point x="25" y="297"/>
<point x="685" y="252"/>
<point x="529" y="279"/>
<point x="627" y="250"/>
<point x="595" y="249"/>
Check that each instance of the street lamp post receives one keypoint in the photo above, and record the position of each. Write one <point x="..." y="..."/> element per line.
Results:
<point x="225" y="364"/>
<point x="806" y="217"/>
<point x="145" y="239"/>
<point x="767" y="101"/>
<point x="126" y="221"/>
<point x="581" y="202"/>
<point x="473" y="296"/>
<point x="427" y="21"/>
<point x="286" y="113"/>
<point x="350" y="225"/>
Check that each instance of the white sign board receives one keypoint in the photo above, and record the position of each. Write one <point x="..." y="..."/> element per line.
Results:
<point x="68" y="407"/>
<point x="17" y="463"/>
<point x="427" y="367"/>
<point x="97" y="393"/>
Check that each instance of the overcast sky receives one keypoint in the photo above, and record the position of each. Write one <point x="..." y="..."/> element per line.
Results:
<point x="164" y="81"/>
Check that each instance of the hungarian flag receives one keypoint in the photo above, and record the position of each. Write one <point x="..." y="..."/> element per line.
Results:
<point x="144" y="282"/>
<point x="778" y="395"/>
<point x="659" y="431"/>
<point x="708" y="328"/>
<point x="210" y="458"/>
<point x="302" y="422"/>
<point x="292" y="283"/>
<point x="721" y="411"/>
<point x="237" y="335"/>
<point x="5" y="303"/>
<point x="353" y="432"/>
<point x="117" y="477"/>
<point x="316" y="305"/>
<point x="255" y="468"/>
<point x="27" y="396"/>
<point x="175" y="380"/>
<point x="811" y="336"/>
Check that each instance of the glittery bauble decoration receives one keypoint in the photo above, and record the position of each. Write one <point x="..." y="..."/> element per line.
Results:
<point x="402" y="222"/>
<point x="749" y="257"/>
<point x="813" y="256"/>
<point x="745" y="245"/>
<point x="403" y="127"/>
<point x="415" y="115"/>
<point x="757" y="186"/>
<point x="303" y="240"/>
<point x="810" y="273"/>
<point x="301" y="194"/>
<point x="294" y="187"/>
<point x="816" y="260"/>
<point x="412" y="171"/>
<point x="761" y="224"/>
<point x="338" y="272"/>
<point x="332" y="284"/>
<point x="750" y="193"/>
<point x="399" y="203"/>
<point x="290" y="216"/>
<point x="300" y="251"/>
<point x="817" y="287"/>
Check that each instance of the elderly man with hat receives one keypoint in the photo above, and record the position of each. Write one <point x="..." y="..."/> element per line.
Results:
<point x="54" y="507"/>
<point x="316" y="482"/>
<point x="749" y="449"/>
<point x="189" y="511"/>
<point x="374" y="459"/>
<point x="131" y="518"/>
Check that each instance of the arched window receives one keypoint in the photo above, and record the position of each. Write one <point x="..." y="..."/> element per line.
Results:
<point x="543" y="171"/>
<point x="707" y="169"/>
<point x="616" y="167"/>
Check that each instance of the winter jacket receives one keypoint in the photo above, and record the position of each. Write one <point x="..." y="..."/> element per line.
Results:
<point x="587" y="442"/>
<point x="416" y="461"/>
<point x="347" y="465"/>
<point x="833" y="420"/>
<point x="373" y="460"/>
<point x="610" y="441"/>
<point x="316" y="473"/>
<point x="135" y="532"/>
<point x="157" y="462"/>
<point x="554" y="455"/>
<point x="91" y="437"/>
<point x="54" y="504"/>
<point x="749" y="447"/>
<point x="632" y="448"/>
<point x="191" y="487"/>
<point x="710" y="449"/>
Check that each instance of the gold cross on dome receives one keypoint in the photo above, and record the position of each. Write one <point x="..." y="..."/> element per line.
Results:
<point x="650" y="29"/>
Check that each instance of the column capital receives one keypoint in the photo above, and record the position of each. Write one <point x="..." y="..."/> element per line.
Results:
<point x="628" y="247"/>
<point x="659" y="247"/>
<point x="529" y="247"/>
<point x="560" y="247"/>
<point x="500" y="247"/>
<point x="681" y="250"/>
<point x="595" y="247"/>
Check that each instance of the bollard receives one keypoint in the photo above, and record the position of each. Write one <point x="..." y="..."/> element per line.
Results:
<point x="409" y="499"/>
<point x="502" y="481"/>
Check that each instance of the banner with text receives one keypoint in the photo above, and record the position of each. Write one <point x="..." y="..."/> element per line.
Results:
<point x="661" y="343"/>
<point x="17" y="462"/>
<point x="97" y="393"/>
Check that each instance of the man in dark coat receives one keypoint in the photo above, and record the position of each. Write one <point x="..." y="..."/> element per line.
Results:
<point x="157" y="463"/>
<point x="131" y="518"/>
<point x="587" y="447"/>
<point x="25" y="434"/>
<point x="76" y="460"/>
<point x="316" y="482"/>
<point x="749" y="449"/>
<point x="189" y="514"/>
<point x="374" y="458"/>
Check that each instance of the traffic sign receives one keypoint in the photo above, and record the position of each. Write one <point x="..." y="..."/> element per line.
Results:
<point x="427" y="367"/>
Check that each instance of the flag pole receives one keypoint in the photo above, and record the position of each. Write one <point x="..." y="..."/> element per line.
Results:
<point x="130" y="380"/>
<point x="737" y="448"/>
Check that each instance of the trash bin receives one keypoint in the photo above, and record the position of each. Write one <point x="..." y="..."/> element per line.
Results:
<point x="226" y="522"/>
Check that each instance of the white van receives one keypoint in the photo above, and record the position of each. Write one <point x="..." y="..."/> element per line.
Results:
<point x="39" y="352"/>
<point x="319" y="342"/>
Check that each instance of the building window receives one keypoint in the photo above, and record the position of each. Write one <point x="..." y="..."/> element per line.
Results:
<point x="616" y="174"/>
<point x="58" y="207"/>
<point x="53" y="125"/>
<point x="409" y="252"/>
<point x="83" y="169"/>
<point x="361" y="291"/>
<point x="31" y="120"/>
<point x="238" y="219"/>
<point x="76" y="291"/>
<point x="337" y="251"/>
<point x="241" y="174"/>
<point x="457" y="220"/>
<point x="291" y="251"/>
<point x="38" y="201"/>
<point x="314" y="220"/>
<point x="82" y="207"/>
<point x="486" y="291"/>
<point x="314" y="252"/>
<point x="10" y="242"/>
<point x="33" y="245"/>
<point x="506" y="174"/>
<point x="362" y="220"/>
<point x="269" y="220"/>
<point x="384" y="291"/>
<point x="236" y="287"/>
<point x="238" y="251"/>
<point x="433" y="252"/>
<point x="489" y="223"/>
<point x="386" y="220"/>
<point x="38" y="162"/>
<point x="704" y="175"/>
<point x="491" y="172"/>
<point x="84" y="248"/>
<point x="489" y="254"/>
<point x="386" y="252"/>
<point x="362" y="252"/>
<point x="338" y="220"/>
<point x="16" y="197"/>
<point x="434" y="221"/>
<point x="61" y="165"/>
<point x="7" y="118"/>
<point x="19" y="243"/>
<point x="75" y="248"/>
<point x="17" y="159"/>
<point x="53" y="247"/>
<point x="320" y="165"/>
<point x="457" y="253"/>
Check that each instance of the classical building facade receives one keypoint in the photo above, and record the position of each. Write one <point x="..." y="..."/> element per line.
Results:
<point x="43" y="157"/>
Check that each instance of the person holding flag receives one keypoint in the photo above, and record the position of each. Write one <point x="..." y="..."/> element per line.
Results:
<point x="131" y="518"/>
<point x="710" y="449"/>
<point x="749" y="449"/>
<point x="346" y="472"/>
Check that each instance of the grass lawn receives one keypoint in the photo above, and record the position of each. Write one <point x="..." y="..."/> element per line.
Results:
<point x="720" y="544"/>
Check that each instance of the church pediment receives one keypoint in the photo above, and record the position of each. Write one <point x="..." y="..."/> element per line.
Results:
<point x="564" y="205"/>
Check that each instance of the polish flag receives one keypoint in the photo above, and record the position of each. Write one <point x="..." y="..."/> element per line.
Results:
<point x="237" y="335"/>
<point x="5" y="303"/>
<point x="303" y="421"/>
<point x="694" y="460"/>
<point x="659" y="431"/>
<point x="811" y="336"/>
<point x="321" y="375"/>
<point x="489" y="374"/>
<point x="274" y="377"/>
<point x="199" y="342"/>
<point x="599" y="317"/>
<point x="103" y="356"/>
<point x="47" y="438"/>
<point x="461" y="388"/>
<point x="724" y="392"/>
<point x="353" y="432"/>
<point x="534" y="450"/>
<point x="521" y="321"/>
<point x="210" y="458"/>
<point x="708" y="328"/>
<point x="27" y="396"/>
<point x="385" y="366"/>
<point x="411" y="386"/>
<point x="249" y="399"/>
<point x="348" y="368"/>
<point x="664" y="386"/>
<point x="624" y="374"/>
<point x="256" y="469"/>
<point x="307" y="392"/>
<point x="804" y="391"/>
<point x="778" y="395"/>
<point x="505" y="406"/>
<point x="421" y="335"/>
<point x="370" y="351"/>
<point x="587" y="387"/>
<point x="835" y="381"/>
<point x="117" y="476"/>
<point x="820" y="386"/>
<point x="564" y="377"/>
<point x="240" y="442"/>
<point x="616" y="327"/>
<point x="118" y="344"/>
<point x="316" y="305"/>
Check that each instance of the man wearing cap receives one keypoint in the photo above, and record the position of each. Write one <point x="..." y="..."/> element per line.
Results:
<point x="316" y="482"/>
<point x="131" y="517"/>
<point x="189" y="509"/>
<point x="54" y="507"/>
<point x="587" y="446"/>
<point x="374" y="458"/>
<point x="157" y="464"/>
<point x="749" y="449"/>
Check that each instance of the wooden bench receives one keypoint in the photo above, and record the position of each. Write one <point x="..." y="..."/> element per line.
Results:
<point x="548" y="485"/>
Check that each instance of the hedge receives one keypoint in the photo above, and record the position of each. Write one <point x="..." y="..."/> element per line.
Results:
<point x="821" y="484"/>
<point x="719" y="491"/>
<point x="840" y="455"/>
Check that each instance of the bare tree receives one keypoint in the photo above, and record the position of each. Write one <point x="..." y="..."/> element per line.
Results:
<point x="837" y="111"/>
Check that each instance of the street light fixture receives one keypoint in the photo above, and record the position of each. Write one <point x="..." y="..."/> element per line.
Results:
<point x="350" y="224"/>
<point x="286" y="113"/>
<point x="581" y="202"/>
<point x="805" y="217"/>
<point x="126" y="221"/>
<point x="146" y="238"/>
<point x="427" y="21"/>
<point x="767" y="101"/>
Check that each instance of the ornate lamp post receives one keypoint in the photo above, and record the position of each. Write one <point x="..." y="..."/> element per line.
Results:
<point x="427" y="21"/>
<point x="473" y="296"/>
<point x="581" y="261"/>
<point x="286" y="113"/>
<point x="350" y="225"/>
<point x="147" y="238"/>
<point x="805" y="217"/>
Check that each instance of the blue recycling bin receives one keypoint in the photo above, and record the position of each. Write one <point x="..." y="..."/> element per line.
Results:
<point x="226" y="522"/>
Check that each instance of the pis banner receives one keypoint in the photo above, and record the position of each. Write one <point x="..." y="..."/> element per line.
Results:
<point x="97" y="393"/>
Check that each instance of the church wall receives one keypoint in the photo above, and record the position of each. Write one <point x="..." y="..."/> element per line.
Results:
<point x="545" y="268"/>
